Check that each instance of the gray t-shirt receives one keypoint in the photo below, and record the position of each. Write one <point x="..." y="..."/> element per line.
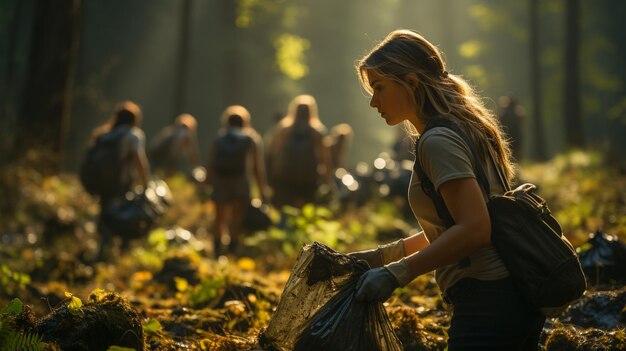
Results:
<point x="445" y="156"/>
<point x="134" y="142"/>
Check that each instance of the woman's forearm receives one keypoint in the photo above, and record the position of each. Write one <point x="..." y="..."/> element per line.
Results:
<point x="415" y="243"/>
<point x="452" y="246"/>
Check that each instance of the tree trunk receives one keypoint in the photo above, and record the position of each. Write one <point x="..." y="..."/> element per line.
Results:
<point x="232" y="62"/>
<point x="574" y="135"/>
<point x="183" y="60"/>
<point x="539" y="148"/>
<point x="7" y="110"/>
<point x="47" y="98"/>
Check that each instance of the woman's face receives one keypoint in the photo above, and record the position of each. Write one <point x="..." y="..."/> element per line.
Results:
<point x="392" y="100"/>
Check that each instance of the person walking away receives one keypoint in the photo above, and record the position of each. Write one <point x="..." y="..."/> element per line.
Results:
<point x="130" y="166"/>
<point x="235" y="159"/>
<point x="408" y="82"/>
<point x="298" y="160"/>
<point x="175" y="148"/>
<point x="338" y="144"/>
<point x="511" y="115"/>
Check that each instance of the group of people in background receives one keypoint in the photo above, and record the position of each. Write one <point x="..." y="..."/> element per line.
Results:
<point x="290" y="166"/>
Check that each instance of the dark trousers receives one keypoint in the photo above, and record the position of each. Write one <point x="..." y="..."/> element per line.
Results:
<point x="492" y="315"/>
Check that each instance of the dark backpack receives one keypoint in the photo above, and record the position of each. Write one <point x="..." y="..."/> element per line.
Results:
<point x="100" y="169"/>
<point x="160" y="151"/>
<point x="297" y="162"/>
<point x="231" y="151"/>
<point x="527" y="237"/>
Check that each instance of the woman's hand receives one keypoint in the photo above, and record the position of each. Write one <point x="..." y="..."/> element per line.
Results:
<point x="376" y="285"/>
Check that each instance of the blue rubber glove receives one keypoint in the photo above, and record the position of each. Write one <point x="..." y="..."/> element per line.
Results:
<point x="378" y="284"/>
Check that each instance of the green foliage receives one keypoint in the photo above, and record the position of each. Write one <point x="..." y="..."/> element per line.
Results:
<point x="206" y="291"/>
<point x="14" y="308"/>
<point x="311" y="223"/>
<point x="584" y="191"/>
<point x="291" y="55"/>
<point x="249" y="12"/>
<point x="11" y="339"/>
<point x="362" y="227"/>
<point x="11" y="281"/>
<point x="97" y="295"/>
<point x="14" y="341"/>
<point x="151" y="255"/>
<point x="152" y="326"/>
<point x="75" y="305"/>
<point x="31" y="196"/>
<point x="471" y="49"/>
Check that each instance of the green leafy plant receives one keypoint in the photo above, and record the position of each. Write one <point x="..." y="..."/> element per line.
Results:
<point x="11" y="281"/>
<point x="311" y="223"/>
<point x="14" y="308"/>
<point x="152" y="326"/>
<point x="21" y="342"/>
<point x="75" y="305"/>
<point x="206" y="291"/>
<point x="11" y="339"/>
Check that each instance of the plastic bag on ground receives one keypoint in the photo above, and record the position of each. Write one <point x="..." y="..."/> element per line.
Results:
<point x="604" y="259"/>
<point x="317" y="310"/>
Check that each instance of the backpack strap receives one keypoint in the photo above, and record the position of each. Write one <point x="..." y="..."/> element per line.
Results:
<point x="505" y="183"/>
<point x="428" y="186"/>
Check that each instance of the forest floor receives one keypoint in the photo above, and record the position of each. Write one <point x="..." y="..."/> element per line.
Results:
<point x="167" y="292"/>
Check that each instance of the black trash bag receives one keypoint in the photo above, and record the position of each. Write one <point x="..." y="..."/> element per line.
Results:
<point x="317" y="310"/>
<point x="135" y="215"/>
<point x="256" y="217"/>
<point x="603" y="259"/>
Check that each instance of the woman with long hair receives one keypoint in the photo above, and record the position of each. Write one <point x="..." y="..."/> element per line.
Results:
<point x="298" y="160"/>
<point x="409" y="83"/>
<point x="235" y="159"/>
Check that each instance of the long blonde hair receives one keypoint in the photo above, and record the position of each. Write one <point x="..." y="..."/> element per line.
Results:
<point x="438" y="92"/>
<point x="302" y="113"/>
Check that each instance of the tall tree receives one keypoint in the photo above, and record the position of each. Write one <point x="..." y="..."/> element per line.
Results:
<point x="539" y="151"/>
<point x="7" y="113"/>
<point x="232" y="60"/>
<point x="183" y="59"/>
<point x="574" y="136"/>
<point x="45" y="111"/>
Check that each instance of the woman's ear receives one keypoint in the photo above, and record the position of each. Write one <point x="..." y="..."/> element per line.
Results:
<point x="411" y="79"/>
